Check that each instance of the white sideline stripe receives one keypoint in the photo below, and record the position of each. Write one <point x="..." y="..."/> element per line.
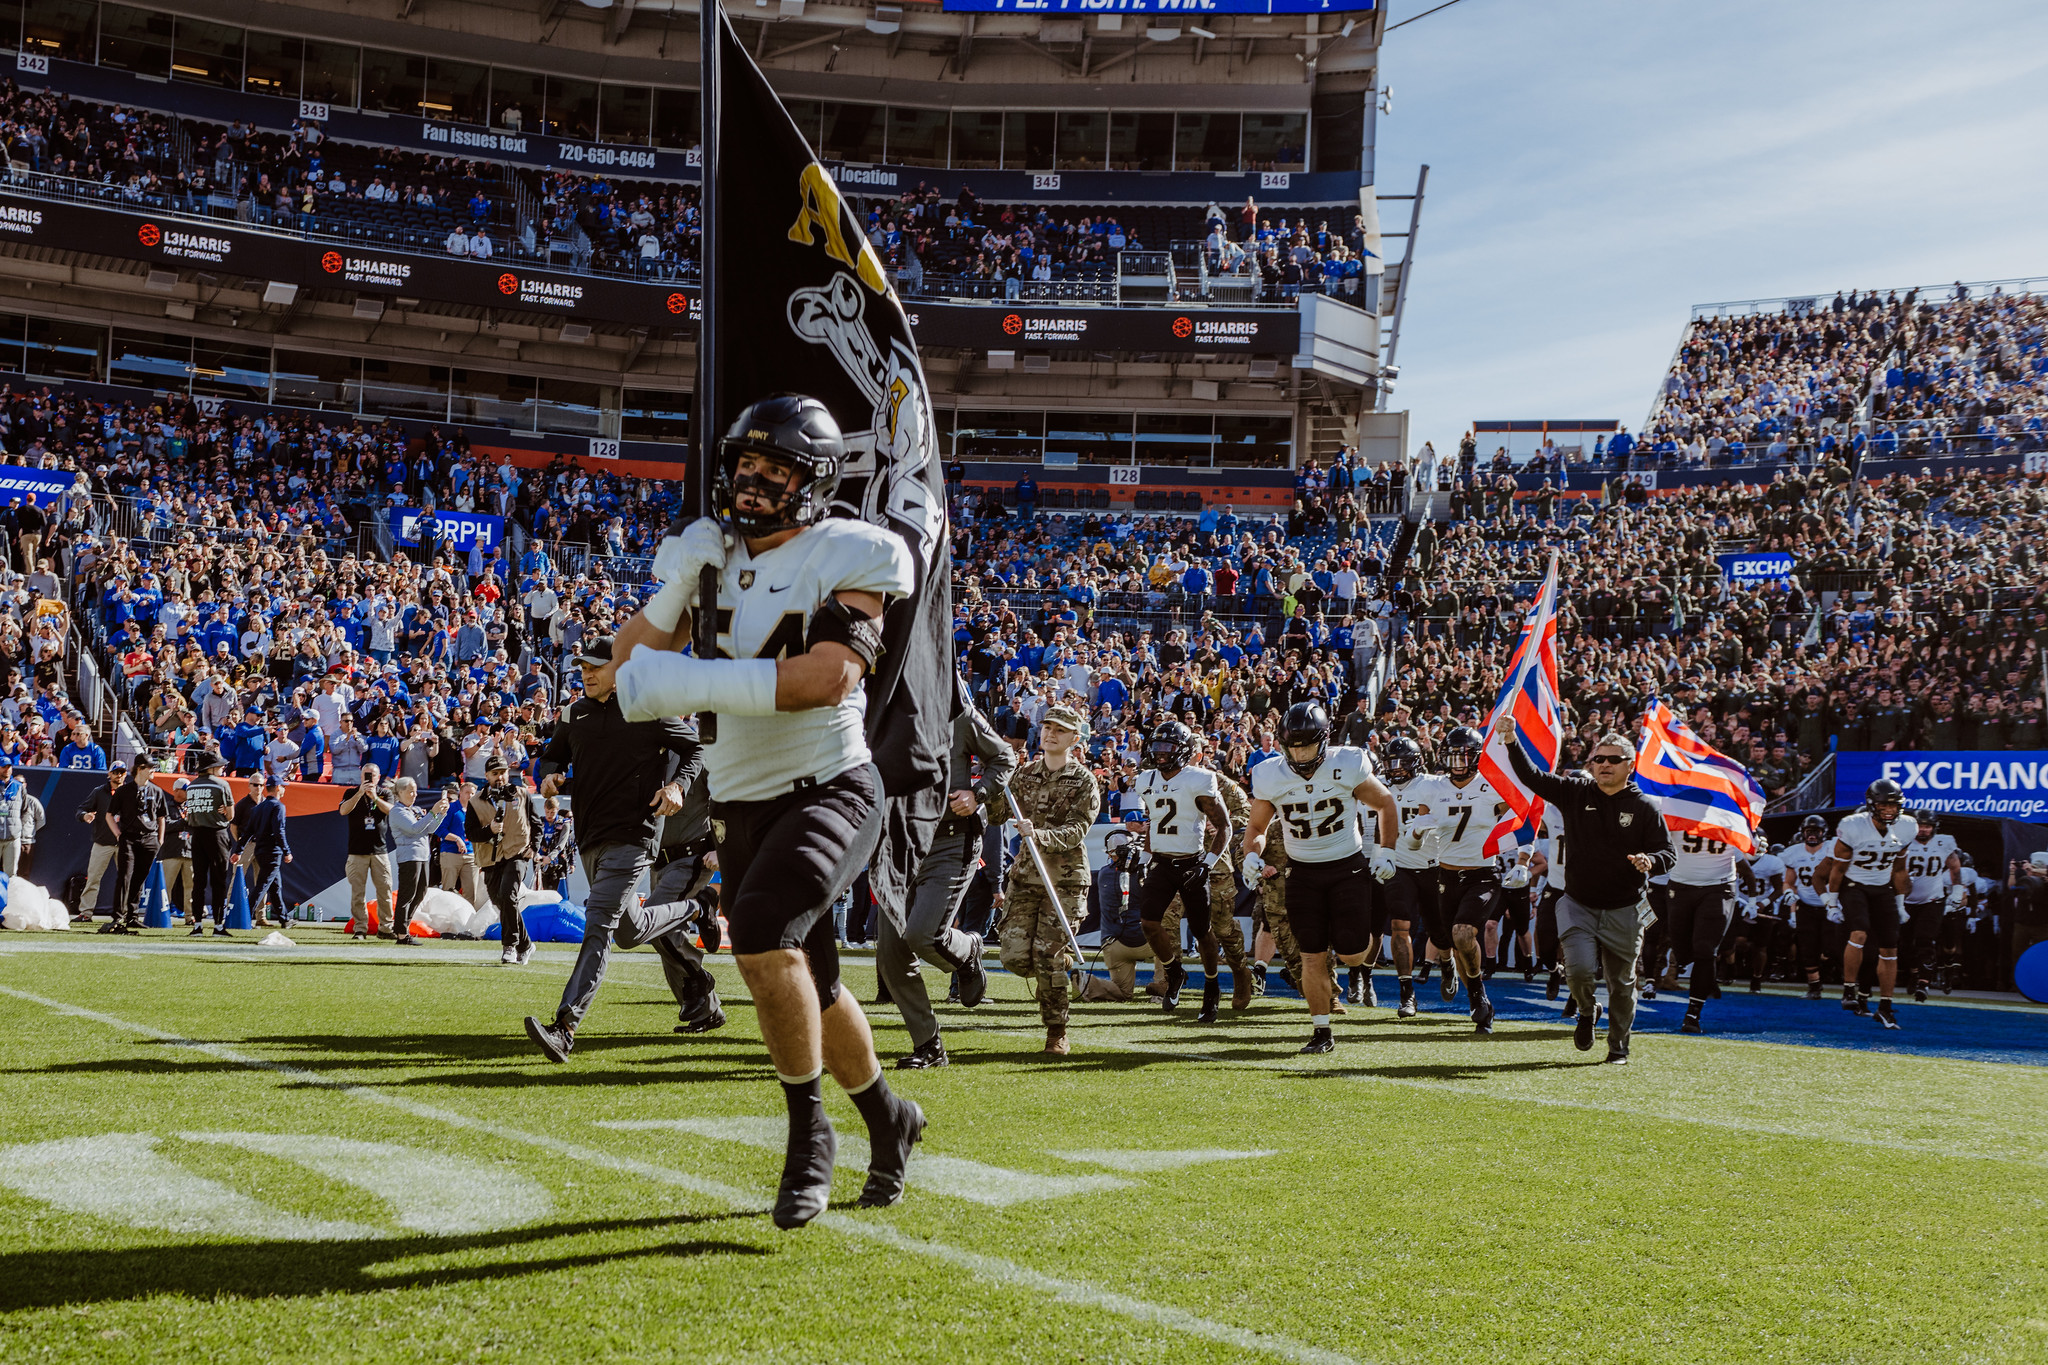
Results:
<point x="995" y="1269"/>
<point x="951" y="1175"/>
<point x="431" y="1192"/>
<point x="1929" y="1147"/>
<point x="122" y="1178"/>
<point x="1141" y="1162"/>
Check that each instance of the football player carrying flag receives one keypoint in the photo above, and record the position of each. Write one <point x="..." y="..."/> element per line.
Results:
<point x="1529" y="696"/>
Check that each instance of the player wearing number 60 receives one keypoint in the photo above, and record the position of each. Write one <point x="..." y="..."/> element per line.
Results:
<point x="1317" y="790"/>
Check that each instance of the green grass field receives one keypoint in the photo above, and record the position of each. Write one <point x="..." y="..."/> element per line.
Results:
<point x="356" y="1155"/>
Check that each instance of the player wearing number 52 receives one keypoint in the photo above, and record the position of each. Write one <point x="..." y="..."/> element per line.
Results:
<point x="1618" y="842"/>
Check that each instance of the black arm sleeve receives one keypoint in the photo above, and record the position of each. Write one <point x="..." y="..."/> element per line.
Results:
<point x="1549" y="786"/>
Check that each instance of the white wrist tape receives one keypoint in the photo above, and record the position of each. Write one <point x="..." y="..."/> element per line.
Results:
<point x="667" y="605"/>
<point x="656" y="683"/>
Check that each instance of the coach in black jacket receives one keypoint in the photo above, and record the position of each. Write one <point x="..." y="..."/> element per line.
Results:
<point x="627" y="776"/>
<point x="1614" y="842"/>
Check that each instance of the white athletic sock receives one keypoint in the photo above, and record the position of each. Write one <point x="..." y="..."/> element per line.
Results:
<point x="1319" y="1020"/>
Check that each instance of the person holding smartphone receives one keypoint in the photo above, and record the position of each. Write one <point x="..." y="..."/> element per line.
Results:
<point x="367" y="813"/>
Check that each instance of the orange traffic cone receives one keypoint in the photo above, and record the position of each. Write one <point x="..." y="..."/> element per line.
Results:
<point x="370" y="912"/>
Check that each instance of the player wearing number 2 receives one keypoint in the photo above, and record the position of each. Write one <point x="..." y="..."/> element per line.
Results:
<point x="1869" y="853"/>
<point x="1188" y="834"/>
<point x="1469" y="879"/>
<point x="1317" y="791"/>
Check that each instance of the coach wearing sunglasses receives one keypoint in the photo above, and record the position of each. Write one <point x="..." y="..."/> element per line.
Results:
<point x="1614" y="842"/>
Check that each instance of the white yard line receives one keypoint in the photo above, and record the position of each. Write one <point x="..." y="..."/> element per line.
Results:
<point x="431" y="1192"/>
<point x="995" y="1269"/>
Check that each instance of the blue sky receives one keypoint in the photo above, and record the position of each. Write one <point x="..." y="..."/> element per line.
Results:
<point x="1599" y="167"/>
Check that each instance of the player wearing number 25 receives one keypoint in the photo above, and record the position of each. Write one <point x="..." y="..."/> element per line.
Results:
<point x="1618" y="842"/>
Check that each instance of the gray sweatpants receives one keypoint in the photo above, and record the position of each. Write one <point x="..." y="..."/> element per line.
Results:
<point x="1595" y="940"/>
<point x="935" y="896"/>
<point x="613" y="911"/>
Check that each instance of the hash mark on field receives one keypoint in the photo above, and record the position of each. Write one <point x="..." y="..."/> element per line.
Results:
<point x="995" y="1269"/>
<point x="952" y="1175"/>
<point x="432" y="1192"/>
<point x="122" y="1177"/>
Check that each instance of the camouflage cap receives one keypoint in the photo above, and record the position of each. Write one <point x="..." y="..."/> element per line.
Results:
<point x="1067" y="717"/>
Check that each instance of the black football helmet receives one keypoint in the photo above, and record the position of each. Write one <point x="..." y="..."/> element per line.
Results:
<point x="1403" y="759"/>
<point x="1462" y="748"/>
<point x="1966" y="859"/>
<point x="1882" y="793"/>
<point x="797" y="431"/>
<point x="1172" y="747"/>
<point x="1812" y="830"/>
<point x="1305" y="723"/>
<point x="1928" y="820"/>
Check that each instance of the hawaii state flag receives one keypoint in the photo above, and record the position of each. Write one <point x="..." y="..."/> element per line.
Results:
<point x="1703" y="791"/>
<point x="1529" y="695"/>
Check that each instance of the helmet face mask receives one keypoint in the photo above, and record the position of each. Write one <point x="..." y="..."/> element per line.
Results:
<point x="784" y="454"/>
<point x="1403" y="759"/>
<point x="1882" y="795"/>
<point x="1812" y="830"/>
<point x="1462" y="748"/>
<point x="1172" y="747"/>
<point x="1306" y="727"/>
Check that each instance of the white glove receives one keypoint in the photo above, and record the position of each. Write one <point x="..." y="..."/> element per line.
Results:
<point x="1210" y="859"/>
<point x="1382" y="863"/>
<point x="1749" y="911"/>
<point x="1517" y="877"/>
<point x="1832" y="902"/>
<point x="1254" y="868"/>
<point x="1904" y="918"/>
<point x="678" y="564"/>
<point x="1958" y="897"/>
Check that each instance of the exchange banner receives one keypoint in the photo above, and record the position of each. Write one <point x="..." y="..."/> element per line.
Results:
<point x="1772" y="566"/>
<point x="2010" y="784"/>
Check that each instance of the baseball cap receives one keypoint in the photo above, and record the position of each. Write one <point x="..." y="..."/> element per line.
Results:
<point x="596" y="651"/>
<point x="1066" y="717"/>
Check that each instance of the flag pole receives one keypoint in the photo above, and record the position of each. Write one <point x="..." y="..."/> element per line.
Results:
<point x="706" y="419"/>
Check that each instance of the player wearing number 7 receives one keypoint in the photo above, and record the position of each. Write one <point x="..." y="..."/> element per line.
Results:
<point x="1468" y="880"/>
<point x="1317" y="791"/>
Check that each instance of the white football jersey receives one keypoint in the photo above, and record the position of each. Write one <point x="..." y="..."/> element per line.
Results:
<point x="1319" y="817"/>
<point x="1927" y="865"/>
<point x="1767" y="869"/>
<point x="1702" y="860"/>
<point x="1172" y="804"/>
<point x="1419" y="800"/>
<point x="765" y="604"/>
<point x="1466" y="818"/>
<point x="1872" y="854"/>
<point x="1800" y="861"/>
<point x="1552" y="843"/>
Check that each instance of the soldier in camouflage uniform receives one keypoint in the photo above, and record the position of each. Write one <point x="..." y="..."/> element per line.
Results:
<point x="1057" y="800"/>
<point x="1223" y="886"/>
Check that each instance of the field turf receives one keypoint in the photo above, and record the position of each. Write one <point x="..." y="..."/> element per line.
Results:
<point x="227" y="1154"/>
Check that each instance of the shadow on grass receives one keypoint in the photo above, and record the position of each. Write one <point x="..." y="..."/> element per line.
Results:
<point x="206" y="1270"/>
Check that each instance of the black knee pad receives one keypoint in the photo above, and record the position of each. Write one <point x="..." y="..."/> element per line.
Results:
<point x="824" y="963"/>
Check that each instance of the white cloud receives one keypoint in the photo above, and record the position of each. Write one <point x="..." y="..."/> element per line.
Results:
<point x="1598" y="168"/>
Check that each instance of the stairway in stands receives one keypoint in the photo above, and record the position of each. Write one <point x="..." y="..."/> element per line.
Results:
<point x="1397" y="558"/>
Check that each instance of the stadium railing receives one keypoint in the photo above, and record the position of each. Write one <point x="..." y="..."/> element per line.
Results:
<point x="1804" y="304"/>
<point x="1815" y="791"/>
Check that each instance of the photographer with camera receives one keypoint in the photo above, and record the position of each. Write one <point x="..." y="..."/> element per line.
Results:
<point x="413" y="830"/>
<point x="504" y="843"/>
<point x="367" y="812"/>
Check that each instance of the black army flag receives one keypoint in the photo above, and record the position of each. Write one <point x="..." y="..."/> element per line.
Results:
<point x="804" y="306"/>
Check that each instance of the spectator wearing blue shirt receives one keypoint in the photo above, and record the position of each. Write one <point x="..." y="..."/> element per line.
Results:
<point x="458" y="855"/>
<point x="81" y="754"/>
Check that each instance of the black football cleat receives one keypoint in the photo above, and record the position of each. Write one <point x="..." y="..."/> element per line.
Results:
<point x="1582" y="1032"/>
<point x="1212" y="1000"/>
<point x="1691" y="1023"/>
<point x="708" y="932"/>
<point x="806" y="1186"/>
<point x="197" y="930"/>
<point x="1482" y="1015"/>
<point x="973" y="977"/>
<point x="1919" y="995"/>
<point x="1552" y="984"/>
<point x="1407" y="1008"/>
<point x="1318" y="1042"/>
<point x="1813" y="990"/>
<point x="1354" y="986"/>
<point x="1258" y="978"/>
<point x="707" y="1015"/>
<point x="891" y="1155"/>
<point x="554" y="1040"/>
<point x="925" y="1056"/>
<point x="222" y="931"/>
<point x="1176" y="977"/>
<point x="1756" y="986"/>
<point x="1885" y="1015"/>
<point x="1449" y="988"/>
<point x="1648" y="992"/>
<point x="1370" y="995"/>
